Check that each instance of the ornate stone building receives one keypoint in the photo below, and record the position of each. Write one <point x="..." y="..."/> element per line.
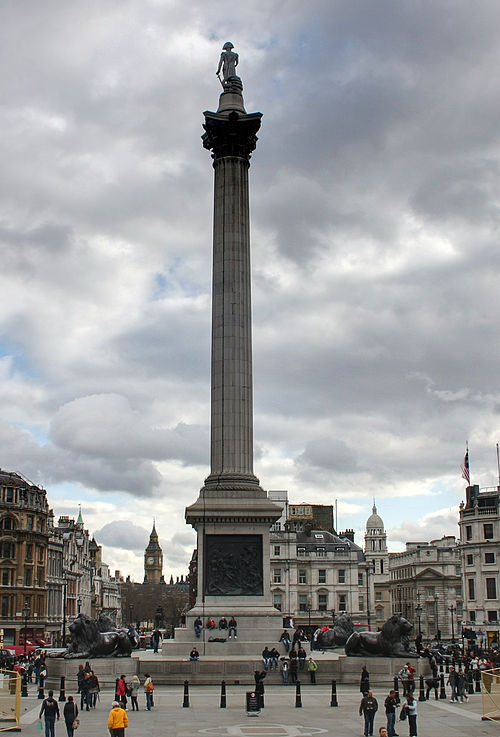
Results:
<point x="479" y="551"/>
<point x="153" y="560"/>
<point x="426" y="586"/>
<point x="24" y="517"/>
<point x="377" y="556"/>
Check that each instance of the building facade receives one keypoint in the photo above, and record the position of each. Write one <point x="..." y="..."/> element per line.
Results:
<point x="24" y="517"/>
<point x="426" y="587"/>
<point x="479" y="551"/>
<point x="377" y="558"/>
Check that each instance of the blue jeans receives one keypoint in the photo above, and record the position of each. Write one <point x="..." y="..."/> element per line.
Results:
<point x="412" y="723"/>
<point x="49" y="726"/>
<point x="369" y="717"/>
<point x="149" y="699"/>
<point x="197" y="630"/>
<point x="232" y="630"/>
<point x="391" y="723"/>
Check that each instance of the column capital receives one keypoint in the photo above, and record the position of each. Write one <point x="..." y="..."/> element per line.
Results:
<point x="231" y="134"/>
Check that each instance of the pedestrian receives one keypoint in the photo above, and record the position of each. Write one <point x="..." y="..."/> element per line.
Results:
<point x="364" y="685"/>
<point x="50" y="711"/>
<point x="233" y="628"/>
<point x="88" y="667"/>
<point x="84" y="692"/>
<point x="94" y="689"/>
<point x="462" y="686"/>
<point x="453" y="683"/>
<point x="194" y="654"/>
<point x="80" y="677"/>
<point x="390" y="704"/>
<point x="368" y="708"/>
<point x="133" y="687"/>
<point x="266" y="654"/>
<point x="70" y="713"/>
<point x="117" y="720"/>
<point x="157" y="636"/>
<point x="410" y="708"/>
<point x="149" y="688"/>
<point x="293" y="670"/>
<point x="121" y="691"/>
<point x="284" y="666"/>
<point x="312" y="667"/>
<point x="273" y="659"/>
<point x="259" y="676"/>
<point x="404" y="676"/>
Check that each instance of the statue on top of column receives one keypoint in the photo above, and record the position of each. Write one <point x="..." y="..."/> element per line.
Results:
<point x="228" y="62"/>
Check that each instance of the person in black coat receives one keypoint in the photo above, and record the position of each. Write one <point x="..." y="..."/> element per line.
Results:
<point x="259" y="676"/>
<point x="70" y="713"/>
<point x="364" y="685"/>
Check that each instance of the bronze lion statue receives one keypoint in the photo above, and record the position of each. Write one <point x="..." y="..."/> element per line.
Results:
<point x="89" y="641"/>
<point x="392" y="641"/>
<point x="335" y="636"/>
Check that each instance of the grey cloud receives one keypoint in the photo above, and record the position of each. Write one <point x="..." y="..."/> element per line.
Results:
<point x="122" y="534"/>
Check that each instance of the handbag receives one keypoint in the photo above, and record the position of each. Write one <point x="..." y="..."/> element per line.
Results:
<point x="403" y="714"/>
<point x="76" y="724"/>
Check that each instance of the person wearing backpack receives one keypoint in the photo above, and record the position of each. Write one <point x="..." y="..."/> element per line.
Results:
<point x="149" y="688"/>
<point x="50" y="711"/>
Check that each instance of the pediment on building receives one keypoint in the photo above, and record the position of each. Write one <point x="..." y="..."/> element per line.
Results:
<point x="429" y="573"/>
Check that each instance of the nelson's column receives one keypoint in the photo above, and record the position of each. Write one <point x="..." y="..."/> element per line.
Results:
<point x="232" y="514"/>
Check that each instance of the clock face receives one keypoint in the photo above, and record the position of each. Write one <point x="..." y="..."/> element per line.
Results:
<point x="151" y="560"/>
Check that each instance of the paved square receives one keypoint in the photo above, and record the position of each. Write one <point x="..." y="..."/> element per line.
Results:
<point x="279" y="718"/>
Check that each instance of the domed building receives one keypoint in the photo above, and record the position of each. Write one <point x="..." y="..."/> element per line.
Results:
<point x="377" y="556"/>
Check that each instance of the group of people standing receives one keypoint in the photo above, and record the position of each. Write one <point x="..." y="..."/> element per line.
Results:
<point x="369" y="707"/>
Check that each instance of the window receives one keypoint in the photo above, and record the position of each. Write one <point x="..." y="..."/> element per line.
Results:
<point x="361" y="600"/>
<point x="5" y="606"/>
<point x="27" y="577"/>
<point x="468" y="532"/>
<point x="6" y="576"/>
<point x="29" y="551"/>
<point x="277" y="550"/>
<point x="488" y="531"/>
<point x="9" y="496"/>
<point x="470" y="560"/>
<point x="277" y="601"/>
<point x="342" y="603"/>
<point x="302" y="603"/>
<point x="302" y="575"/>
<point x="9" y="524"/>
<point x="8" y="550"/>
<point x="378" y="596"/>
<point x="492" y="616"/>
<point x="277" y="575"/>
<point x="381" y="566"/>
<point x="322" y="602"/>
<point x="322" y="575"/>
<point x="29" y="522"/>
<point x="472" y="615"/>
<point x="379" y="612"/>
<point x="342" y="576"/>
<point x="320" y="552"/>
<point x="491" y="588"/>
<point x="360" y="578"/>
<point x="301" y="552"/>
<point x="472" y="588"/>
<point x="489" y="557"/>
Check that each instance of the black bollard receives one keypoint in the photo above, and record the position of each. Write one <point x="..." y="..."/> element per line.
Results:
<point x="334" y="701"/>
<point x="185" y="703"/>
<point x="298" y="696"/>
<point x="24" y="684"/>
<point x="62" y="692"/>
<point x="442" y="692"/>
<point x="223" y="695"/>
<point x="441" y="668"/>
<point x="396" y="689"/>
<point x="41" y="694"/>
<point x="446" y="667"/>
<point x="422" y="694"/>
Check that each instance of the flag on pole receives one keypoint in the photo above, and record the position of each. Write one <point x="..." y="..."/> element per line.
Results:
<point x="465" y="467"/>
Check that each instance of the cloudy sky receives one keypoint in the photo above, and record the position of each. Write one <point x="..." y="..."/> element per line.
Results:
<point x="375" y="211"/>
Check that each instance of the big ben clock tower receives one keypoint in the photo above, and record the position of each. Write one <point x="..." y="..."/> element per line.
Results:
<point x="153" y="559"/>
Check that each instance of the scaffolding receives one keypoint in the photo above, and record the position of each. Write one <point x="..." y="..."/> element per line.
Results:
<point x="490" y="692"/>
<point x="10" y="701"/>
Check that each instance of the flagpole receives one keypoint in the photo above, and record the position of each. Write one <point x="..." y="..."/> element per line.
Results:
<point x="498" y="467"/>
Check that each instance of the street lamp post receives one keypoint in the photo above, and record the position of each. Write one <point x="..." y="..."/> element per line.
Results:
<point x="400" y="590"/>
<point x="436" y="600"/>
<point x="79" y="605"/>
<point x="418" y="610"/>
<point x="26" y="612"/>
<point x="452" y="609"/>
